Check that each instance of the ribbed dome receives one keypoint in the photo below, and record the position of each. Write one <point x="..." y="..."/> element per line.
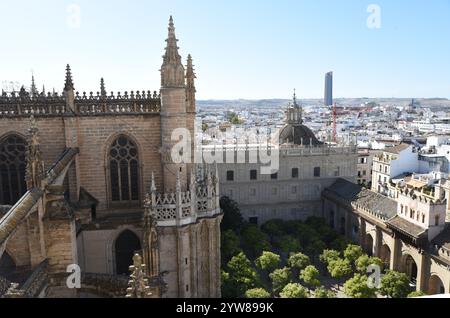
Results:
<point x="298" y="135"/>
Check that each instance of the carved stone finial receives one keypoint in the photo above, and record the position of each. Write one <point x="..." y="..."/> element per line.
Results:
<point x="33" y="89"/>
<point x="68" y="86"/>
<point x="178" y="185"/>
<point x="193" y="179"/>
<point x="102" y="88"/>
<point x="190" y="85"/>
<point x="14" y="292"/>
<point x="153" y="186"/>
<point x="138" y="284"/>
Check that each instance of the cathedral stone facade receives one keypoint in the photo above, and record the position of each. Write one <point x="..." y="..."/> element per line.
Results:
<point x="89" y="180"/>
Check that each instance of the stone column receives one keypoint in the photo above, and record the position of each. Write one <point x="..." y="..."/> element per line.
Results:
<point x="348" y="223"/>
<point x="212" y="257"/>
<point x="193" y="260"/>
<point x="395" y="254"/>
<point x="421" y="272"/>
<point x="362" y="231"/>
<point x="378" y="241"/>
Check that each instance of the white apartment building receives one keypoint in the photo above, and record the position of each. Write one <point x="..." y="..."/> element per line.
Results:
<point x="392" y="163"/>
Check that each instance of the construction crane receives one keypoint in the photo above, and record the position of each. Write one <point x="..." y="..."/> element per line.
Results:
<point x="334" y="123"/>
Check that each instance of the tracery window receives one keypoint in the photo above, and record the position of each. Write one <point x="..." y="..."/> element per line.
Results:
<point x="124" y="170"/>
<point x="12" y="169"/>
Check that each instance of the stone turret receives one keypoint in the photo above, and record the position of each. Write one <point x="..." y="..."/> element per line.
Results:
<point x="173" y="111"/>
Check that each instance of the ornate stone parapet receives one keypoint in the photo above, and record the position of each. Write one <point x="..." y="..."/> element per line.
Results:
<point x="171" y="209"/>
<point x="139" y="102"/>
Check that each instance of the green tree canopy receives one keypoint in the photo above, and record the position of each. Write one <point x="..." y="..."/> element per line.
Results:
<point x="234" y="119"/>
<point x="365" y="260"/>
<point x="416" y="294"/>
<point x="230" y="245"/>
<point x="280" y="278"/>
<point x="254" y="239"/>
<point x="241" y="273"/>
<point x="339" y="243"/>
<point x="293" y="290"/>
<point x="339" y="268"/>
<point x="230" y="288"/>
<point x="273" y="228"/>
<point x="310" y="275"/>
<point x="395" y="285"/>
<point x="316" y="247"/>
<point x="306" y="234"/>
<point x="353" y="252"/>
<point x="321" y="292"/>
<point x="204" y="127"/>
<point x="268" y="261"/>
<point x="288" y="244"/>
<point x="257" y="293"/>
<point x="358" y="287"/>
<point x="232" y="217"/>
<point x="298" y="261"/>
<point x="329" y="255"/>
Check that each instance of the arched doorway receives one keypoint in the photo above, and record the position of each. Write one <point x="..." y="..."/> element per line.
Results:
<point x="368" y="246"/>
<point x="385" y="255"/>
<point x="126" y="245"/>
<point x="410" y="268"/>
<point x="435" y="286"/>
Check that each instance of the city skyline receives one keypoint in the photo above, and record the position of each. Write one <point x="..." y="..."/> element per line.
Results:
<point x="306" y="41"/>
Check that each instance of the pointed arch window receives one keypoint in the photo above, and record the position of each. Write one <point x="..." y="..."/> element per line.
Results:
<point x="124" y="170"/>
<point x="12" y="169"/>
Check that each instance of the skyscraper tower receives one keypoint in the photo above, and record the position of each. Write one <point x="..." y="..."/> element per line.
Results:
<point x="328" y="99"/>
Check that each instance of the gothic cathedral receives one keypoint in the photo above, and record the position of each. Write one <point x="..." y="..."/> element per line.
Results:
<point x="88" y="180"/>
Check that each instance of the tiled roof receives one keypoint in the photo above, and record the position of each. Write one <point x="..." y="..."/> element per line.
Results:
<point x="406" y="227"/>
<point x="366" y="199"/>
<point x="397" y="149"/>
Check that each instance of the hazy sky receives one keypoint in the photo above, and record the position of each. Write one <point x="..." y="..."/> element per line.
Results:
<point x="241" y="48"/>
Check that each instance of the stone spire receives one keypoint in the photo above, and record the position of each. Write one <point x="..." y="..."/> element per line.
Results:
<point x="172" y="70"/>
<point x="102" y="88"/>
<point x="190" y="86"/>
<point x="35" y="165"/>
<point x="69" y="82"/>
